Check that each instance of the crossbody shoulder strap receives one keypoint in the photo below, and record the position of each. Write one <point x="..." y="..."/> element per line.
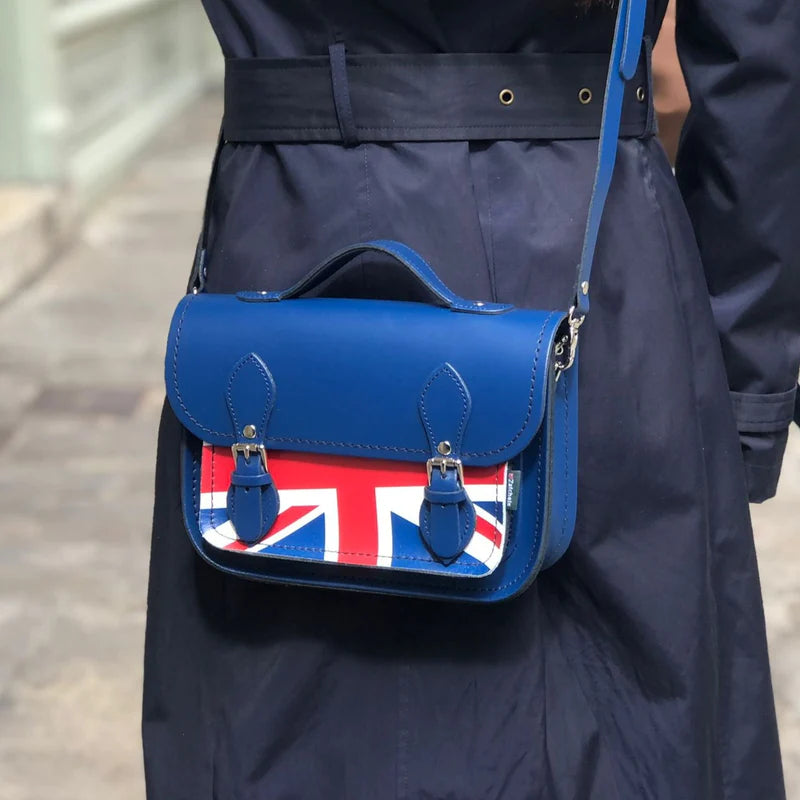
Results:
<point x="625" y="53"/>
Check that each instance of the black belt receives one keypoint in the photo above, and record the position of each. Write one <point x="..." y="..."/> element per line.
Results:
<point x="427" y="97"/>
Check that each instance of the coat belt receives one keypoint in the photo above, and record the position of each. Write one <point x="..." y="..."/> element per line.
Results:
<point x="348" y="99"/>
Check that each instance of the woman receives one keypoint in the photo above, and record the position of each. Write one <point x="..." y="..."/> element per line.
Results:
<point x="637" y="666"/>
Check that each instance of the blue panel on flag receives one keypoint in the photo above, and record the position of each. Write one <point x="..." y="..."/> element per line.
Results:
<point x="307" y="542"/>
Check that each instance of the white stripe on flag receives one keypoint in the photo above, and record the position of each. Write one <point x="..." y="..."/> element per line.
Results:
<point x="213" y="500"/>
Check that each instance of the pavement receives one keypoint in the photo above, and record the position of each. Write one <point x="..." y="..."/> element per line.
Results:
<point x="29" y="234"/>
<point x="81" y="353"/>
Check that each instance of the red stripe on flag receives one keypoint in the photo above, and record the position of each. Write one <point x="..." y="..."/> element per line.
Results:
<point x="488" y="530"/>
<point x="355" y="480"/>
<point x="206" y="457"/>
<point x="309" y="470"/>
<point x="220" y="469"/>
<point x="288" y="517"/>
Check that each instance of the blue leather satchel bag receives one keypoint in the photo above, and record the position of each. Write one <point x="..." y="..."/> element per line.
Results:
<point x="451" y="475"/>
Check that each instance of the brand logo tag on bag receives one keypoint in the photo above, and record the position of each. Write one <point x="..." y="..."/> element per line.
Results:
<point x="512" y="489"/>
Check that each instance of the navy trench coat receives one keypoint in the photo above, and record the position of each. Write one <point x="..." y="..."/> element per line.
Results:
<point x="634" y="669"/>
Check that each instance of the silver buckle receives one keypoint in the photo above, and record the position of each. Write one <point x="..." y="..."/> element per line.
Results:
<point x="567" y="359"/>
<point x="247" y="449"/>
<point x="444" y="463"/>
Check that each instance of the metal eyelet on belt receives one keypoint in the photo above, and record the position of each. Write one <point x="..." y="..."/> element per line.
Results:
<point x="506" y="97"/>
<point x="585" y="95"/>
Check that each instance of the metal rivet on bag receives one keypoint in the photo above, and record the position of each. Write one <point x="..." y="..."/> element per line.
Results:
<point x="506" y="97"/>
<point x="640" y="94"/>
<point x="585" y="287"/>
<point x="444" y="448"/>
<point x="249" y="431"/>
<point x="585" y="95"/>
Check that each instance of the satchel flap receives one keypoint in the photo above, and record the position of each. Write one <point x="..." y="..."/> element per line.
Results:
<point x="349" y="377"/>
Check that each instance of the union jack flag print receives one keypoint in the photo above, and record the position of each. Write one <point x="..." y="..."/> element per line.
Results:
<point x="354" y="511"/>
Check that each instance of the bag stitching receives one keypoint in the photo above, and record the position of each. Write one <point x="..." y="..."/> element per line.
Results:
<point x="213" y="482"/>
<point x="251" y="357"/>
<point x="530" y="396"/>
<point x="341" y="552"/>
<point x="200" y="425"/>
<point x="373" y="579"/>
<point x="445" y="370"/>
<point x="425" y="520"/>
<point x="379" y="448"/>
<point x="566" y="470"/>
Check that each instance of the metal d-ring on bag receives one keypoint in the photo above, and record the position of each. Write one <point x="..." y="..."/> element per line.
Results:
<point x="306" y="461"/>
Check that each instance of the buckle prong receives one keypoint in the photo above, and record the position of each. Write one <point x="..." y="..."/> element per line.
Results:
<point x="444" y="463"/>
<point x="247" y="449"/>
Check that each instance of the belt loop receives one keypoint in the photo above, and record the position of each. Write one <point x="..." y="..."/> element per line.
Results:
<point x="341" y="94"/>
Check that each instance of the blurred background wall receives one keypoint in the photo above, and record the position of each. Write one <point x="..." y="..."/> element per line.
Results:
<point x="84" y="85"/>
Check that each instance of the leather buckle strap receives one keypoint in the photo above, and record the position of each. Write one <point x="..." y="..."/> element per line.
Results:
<point x="247" y="449"/>
<point x="429" y="97"/>
<point x="443" y="463"/>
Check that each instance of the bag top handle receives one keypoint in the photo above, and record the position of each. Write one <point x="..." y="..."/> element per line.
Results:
<point x="625" y="51"/>
<point x="401" y="253"/>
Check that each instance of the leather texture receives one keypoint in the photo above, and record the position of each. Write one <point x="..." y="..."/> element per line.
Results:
<point x="253" y="501"/>
<point x="447" y="516"/>
<point x="368" y="360"/>
<point x="443" y="394"/>
<point x="483" y="383"/>
<point x="401" y="253"/>
<point x="250" y="398"/>
<point x="344" y="510"/>
<point x="564" y="477"/>
<point x="490" y="396"/>
<point x="624" y="57"/>
<point x="537" y="531"/>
